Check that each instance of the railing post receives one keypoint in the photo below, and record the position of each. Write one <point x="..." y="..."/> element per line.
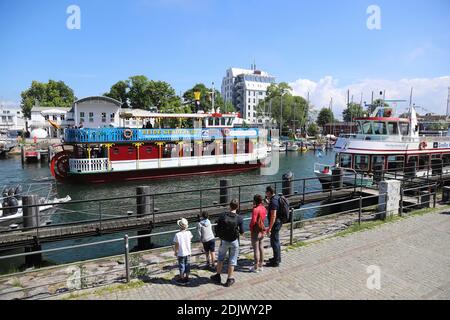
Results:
<point x="360" y="209"/>
<point x="127" y="260"/>
<point x="100" y="214"/>
<point x="239" y="199"/>
<point x="201" y="200"/>
<point x="434" y="196"/>
<point x="153" y="208"/>
<point x="291" y="240"/>
<point x="401" y="200"/>
<point x="304" y="189"/>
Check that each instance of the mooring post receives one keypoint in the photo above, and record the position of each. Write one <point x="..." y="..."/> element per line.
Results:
<point x="143" y="202"/>
<point x="30" y="220"/>
<point x="22" y="154"/>
<point x="225" y="194"/>
<point x="337" y="178"/>
<point x="127" y="260"/>
<point x="287" y="187"/>
<point x="360" y="209"/>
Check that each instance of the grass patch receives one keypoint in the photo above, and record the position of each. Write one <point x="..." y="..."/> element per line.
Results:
<point x="110" y="289"/>
<point x="16" y="283"/>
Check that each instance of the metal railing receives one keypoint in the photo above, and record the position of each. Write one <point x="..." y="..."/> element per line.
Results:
<point x="125" y="274"/>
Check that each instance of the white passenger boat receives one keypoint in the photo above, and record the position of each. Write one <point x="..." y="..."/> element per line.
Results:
<point x="388" y="145"/>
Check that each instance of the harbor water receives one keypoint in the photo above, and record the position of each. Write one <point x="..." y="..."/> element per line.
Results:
<point x="12" y="173"/>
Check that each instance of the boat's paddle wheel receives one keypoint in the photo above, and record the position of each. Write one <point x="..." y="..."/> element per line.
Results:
<point x="59" y="166"/>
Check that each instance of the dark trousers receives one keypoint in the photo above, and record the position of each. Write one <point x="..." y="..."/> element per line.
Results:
<point x="275" y="241"/>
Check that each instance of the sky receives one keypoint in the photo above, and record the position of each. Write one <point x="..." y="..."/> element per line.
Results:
<point x="322" y="47"/>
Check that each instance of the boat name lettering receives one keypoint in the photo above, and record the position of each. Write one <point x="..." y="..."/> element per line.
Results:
<point x="441" y="144"/>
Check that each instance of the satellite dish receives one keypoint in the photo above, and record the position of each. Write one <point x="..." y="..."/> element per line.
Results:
<point x="39" y="134"/>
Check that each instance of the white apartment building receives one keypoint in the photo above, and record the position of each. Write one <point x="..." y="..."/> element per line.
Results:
<point x="245" y="89"/>
<point x="11" y="119"/>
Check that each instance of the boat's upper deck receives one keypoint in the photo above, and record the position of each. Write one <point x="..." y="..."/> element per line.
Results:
<point x="105" y="135"/>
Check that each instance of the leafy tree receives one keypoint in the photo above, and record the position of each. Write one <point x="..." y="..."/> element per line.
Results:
<point x="50" y="94"/>
<point x="294" y="110"/>
<point x="354" y="110"/>
<point x="313" y="129"/>
<point x="206" y="98"/>
<point x="325" y="116"/>
<point x="119" y="91"/>
<point x="143" y="93"/>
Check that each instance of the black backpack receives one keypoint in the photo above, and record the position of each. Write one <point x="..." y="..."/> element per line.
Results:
<point x="227" y="227"/>
<point x="284" y="212"/>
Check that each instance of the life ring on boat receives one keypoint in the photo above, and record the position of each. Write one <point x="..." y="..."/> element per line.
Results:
<point x="127" y="134"/>
<point x="423" y="145"/>
<point x="226" y="132"/>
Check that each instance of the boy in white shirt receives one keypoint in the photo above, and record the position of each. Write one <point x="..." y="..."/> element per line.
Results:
<point x="182" y="250"/>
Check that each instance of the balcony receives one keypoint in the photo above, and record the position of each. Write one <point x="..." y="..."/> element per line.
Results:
<point x="88" y="165"/>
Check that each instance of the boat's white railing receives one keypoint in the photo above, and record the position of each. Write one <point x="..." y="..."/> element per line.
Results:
<point x="88" y="165"/>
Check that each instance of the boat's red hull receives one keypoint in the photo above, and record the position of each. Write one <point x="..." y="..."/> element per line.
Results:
<point x="136" y="175"/>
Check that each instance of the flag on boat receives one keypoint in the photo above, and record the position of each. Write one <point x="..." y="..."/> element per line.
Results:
<point x="413" y="122"/>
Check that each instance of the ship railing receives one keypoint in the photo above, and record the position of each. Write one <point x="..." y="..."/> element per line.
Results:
<point x="88" y="165"/>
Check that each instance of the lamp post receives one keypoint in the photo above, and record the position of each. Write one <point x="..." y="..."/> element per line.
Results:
<point x="281" y="111"/>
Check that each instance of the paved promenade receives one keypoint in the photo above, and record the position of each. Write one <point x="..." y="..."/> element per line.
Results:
<point x="413" y="257"/>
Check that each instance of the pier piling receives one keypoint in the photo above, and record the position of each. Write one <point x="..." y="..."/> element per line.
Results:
<point x="144" y="208"/>
<point x="337" y="178"/>
<point x="30" y="219"/>
<point x="225" y="191"/>
<point x="287" y="185"/>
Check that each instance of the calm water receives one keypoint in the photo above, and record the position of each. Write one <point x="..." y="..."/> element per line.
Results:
<point x="11" y="172"/>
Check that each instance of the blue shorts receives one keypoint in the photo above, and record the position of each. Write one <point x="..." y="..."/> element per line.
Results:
<point x="184" y="264"/>
<point x="209" y="246"/>
<point x="234" y="251"/>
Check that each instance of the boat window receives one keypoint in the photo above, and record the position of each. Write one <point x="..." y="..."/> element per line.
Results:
<point x="367" y="127"/>
<point x="379" y="128"/>
<point x="149" y="149"/>
<point x="393" y="128"/>
<point x="413" y="161"/>
<point x="130" y="150"/>
<point x="377" y="161"/>
<point x="116" y="151"/>
<point x="436" y="156"/>
<point x="345" y="160"/>
<point x="361" y="163"/>
<point x="404" y="128"/>
<point x="446" y="159"/>
<point x="424" y="161"/>
<point x="395" y="163"/>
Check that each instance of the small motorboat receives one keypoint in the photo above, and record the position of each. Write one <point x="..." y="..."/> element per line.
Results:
<point x="292" y="147"/>
<point x="11" y="213"/>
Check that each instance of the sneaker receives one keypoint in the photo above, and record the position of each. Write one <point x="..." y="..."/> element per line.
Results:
<point x="216" y="278"/>
<point x="186" y="280"/>
<point x="229" y="282"/>
<point x="273" y="264"/>
<point x="253" y="269"/>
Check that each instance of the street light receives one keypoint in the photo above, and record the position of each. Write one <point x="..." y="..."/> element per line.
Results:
<point x="281" y="111"/>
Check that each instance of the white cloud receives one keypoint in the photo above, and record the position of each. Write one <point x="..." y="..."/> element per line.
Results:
<point x="428" y="93"/>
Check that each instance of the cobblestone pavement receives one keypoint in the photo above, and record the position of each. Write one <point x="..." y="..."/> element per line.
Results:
<point x="413" y="256"/>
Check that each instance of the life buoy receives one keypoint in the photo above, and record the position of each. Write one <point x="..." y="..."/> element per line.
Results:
<point x="128" y="134"/>
<point x="423" y="145"/>
<point x="226" y="132"/>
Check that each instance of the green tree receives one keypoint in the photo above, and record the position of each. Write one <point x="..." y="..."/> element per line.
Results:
<point x="325" y="116"/>
<point x="119" y="91"/>
<point x="50" y="94"/>
<point x="294" y="110"/>
<point x="143" y="93"/>
<point x="206" y="98"/>
<point x="313" y="129"/>
<point x="354" y="110"/>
